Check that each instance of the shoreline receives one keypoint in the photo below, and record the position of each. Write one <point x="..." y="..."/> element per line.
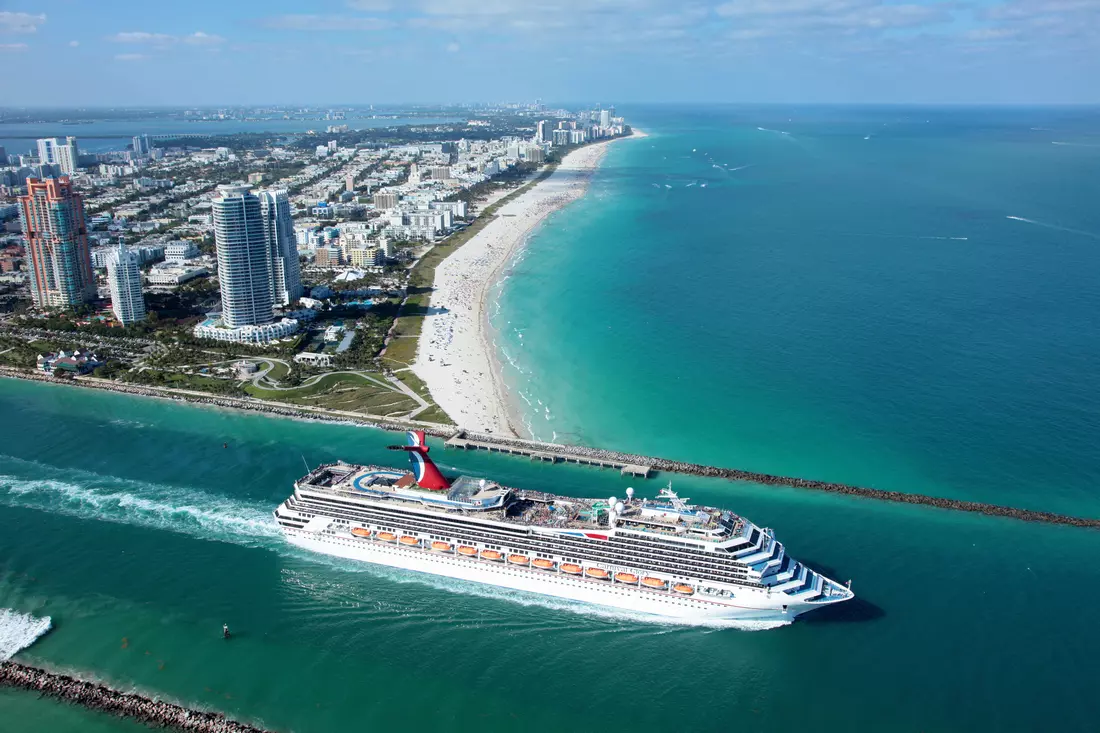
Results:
<point x="283" y="410"/>
<point x="456" y="354"/>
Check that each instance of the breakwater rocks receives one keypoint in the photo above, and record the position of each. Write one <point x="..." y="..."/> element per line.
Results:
<point x="733" y="474"/>
<point x="123" y="704"/>
<point x="657" y="464"/>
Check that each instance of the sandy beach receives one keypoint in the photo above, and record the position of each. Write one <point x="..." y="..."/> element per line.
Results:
<point x="456" y="356"/>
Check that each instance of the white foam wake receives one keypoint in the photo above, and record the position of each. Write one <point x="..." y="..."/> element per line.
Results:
<point x="186" y="511"/>
<point x="18" y="631"/>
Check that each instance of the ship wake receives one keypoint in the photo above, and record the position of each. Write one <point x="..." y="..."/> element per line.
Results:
<point x="186" y="511"/>
<point x="18" y="631"/>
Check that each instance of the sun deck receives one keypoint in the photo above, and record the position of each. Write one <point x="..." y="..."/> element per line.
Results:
<point x="531" y="508"/>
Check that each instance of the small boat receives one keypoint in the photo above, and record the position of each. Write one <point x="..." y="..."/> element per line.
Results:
<point x="409" y="540"/>
<point x="598" y="573"/>
<point x="626" y="578"/>
<point x="441" y="546"/>
<point x="683" y="589"/>
<point x="519" y="559"/>
<point x="491" y="555"/>
<point x="360" y="532"/>
<point x="654" y="583"/>
<point x="467" y="550"/>
<point x="543" y="564"/>
<point x="568" y="567"/>
<point x="387" y="536"/>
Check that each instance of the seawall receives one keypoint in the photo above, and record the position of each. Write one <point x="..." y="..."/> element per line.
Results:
<point x="101" y="698"/>
<point x="658" y="464"/>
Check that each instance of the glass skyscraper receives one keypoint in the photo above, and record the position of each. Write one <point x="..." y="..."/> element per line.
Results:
<point x="244" y="263"/>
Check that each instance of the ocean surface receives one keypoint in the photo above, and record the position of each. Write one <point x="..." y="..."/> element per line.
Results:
<point x="126" y="521"/>
<point x="898" y="297"/>
<point x="105" y="135"/>
<point x="797" y="316"/>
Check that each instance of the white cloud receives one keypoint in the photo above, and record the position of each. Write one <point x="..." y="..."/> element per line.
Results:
<point x="326" y="23"/>
<point x="453" y="47"/>
<point x="20" y="22"/>
<point x="142" y="37"/>
<point x="130" y="57"/>
<point x="13" y="47"/>
<point x="74" y="44"/>
<point x="198" y="38"/>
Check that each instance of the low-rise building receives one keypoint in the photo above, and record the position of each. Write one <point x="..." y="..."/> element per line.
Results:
<point x="213" y="328"/>
<point x="76" y="362"/>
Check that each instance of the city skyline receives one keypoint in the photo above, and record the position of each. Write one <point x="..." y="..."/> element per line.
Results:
<point x="814" y="51"/>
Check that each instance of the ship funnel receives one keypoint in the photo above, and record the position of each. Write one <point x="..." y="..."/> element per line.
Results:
<point x="426" y="472"/>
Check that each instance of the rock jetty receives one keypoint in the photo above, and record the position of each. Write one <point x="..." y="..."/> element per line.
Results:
<point x="658" y="464"/>
<point x="98" y="697"/>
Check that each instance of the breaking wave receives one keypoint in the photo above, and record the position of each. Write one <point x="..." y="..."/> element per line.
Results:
<point x="18" y="631"/>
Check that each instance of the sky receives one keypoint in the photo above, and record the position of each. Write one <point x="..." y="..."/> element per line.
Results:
<point x="222" y="52"/>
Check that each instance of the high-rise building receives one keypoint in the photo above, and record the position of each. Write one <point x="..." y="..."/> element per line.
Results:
<point x="542" y="131"/>
<point x="142" y="146"/>
<point x="57" y="243"/>
<point x="65" y="155"/>
<point x="282" y="246"/>
<point x="244" y="264"/>
<point x="605" y="118"/>
<point x="124" y="279"/>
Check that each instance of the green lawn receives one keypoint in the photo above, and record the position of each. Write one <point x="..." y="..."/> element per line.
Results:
<point x="279" y="371"/>
<point x="347" y="392"/>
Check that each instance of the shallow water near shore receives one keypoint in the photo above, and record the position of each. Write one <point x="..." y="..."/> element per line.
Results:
<point x="127" y="522"/>
<point x="899" y="298"/>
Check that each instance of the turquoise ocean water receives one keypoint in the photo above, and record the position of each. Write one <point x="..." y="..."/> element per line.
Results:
<point x="694" y="328"/>
<point x="847" y="298"/>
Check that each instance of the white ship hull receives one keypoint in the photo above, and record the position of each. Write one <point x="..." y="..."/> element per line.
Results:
<point x="755" y="605"/>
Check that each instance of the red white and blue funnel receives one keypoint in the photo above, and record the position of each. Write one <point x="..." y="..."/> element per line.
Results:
<point x="426" y="473"/>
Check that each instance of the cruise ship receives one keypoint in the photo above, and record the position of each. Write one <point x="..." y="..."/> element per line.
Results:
<point x="660" y="556"/>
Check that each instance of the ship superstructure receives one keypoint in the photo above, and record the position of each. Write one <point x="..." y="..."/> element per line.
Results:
<point x="663" y="556"/>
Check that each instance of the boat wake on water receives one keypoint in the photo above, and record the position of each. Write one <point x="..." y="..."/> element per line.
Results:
<point x="186" y="511"/>
<point x="1056" y="227"/>
<point x="18" y="631"/>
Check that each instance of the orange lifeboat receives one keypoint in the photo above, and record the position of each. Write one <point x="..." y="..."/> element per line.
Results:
<point x="408" y="540"/>
<point x="387" y="536"/>
<point x="519" y="559"/>
<point x="654" y="583"/>
<point x="598" y="573"/>
<point x="467" y="550"/>
<point x="441" y="546"/>
<point x="491" y="555"/>
<point x="683" y="589"/>
<point x="543" y="564"/>
<point x="626" y="578"/>
<point x="360" y="532"/>
<point x="568" y="567"/>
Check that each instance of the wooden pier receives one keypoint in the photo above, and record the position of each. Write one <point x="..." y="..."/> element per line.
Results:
<point x="460" y="441"/>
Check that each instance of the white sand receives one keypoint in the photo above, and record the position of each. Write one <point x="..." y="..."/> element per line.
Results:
<point x="455" y="356"/>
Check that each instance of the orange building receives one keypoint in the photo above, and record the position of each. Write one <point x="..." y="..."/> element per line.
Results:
<point x="60" y="264"/>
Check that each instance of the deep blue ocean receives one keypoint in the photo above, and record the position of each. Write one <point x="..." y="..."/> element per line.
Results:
<point x="855" y="304"/>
